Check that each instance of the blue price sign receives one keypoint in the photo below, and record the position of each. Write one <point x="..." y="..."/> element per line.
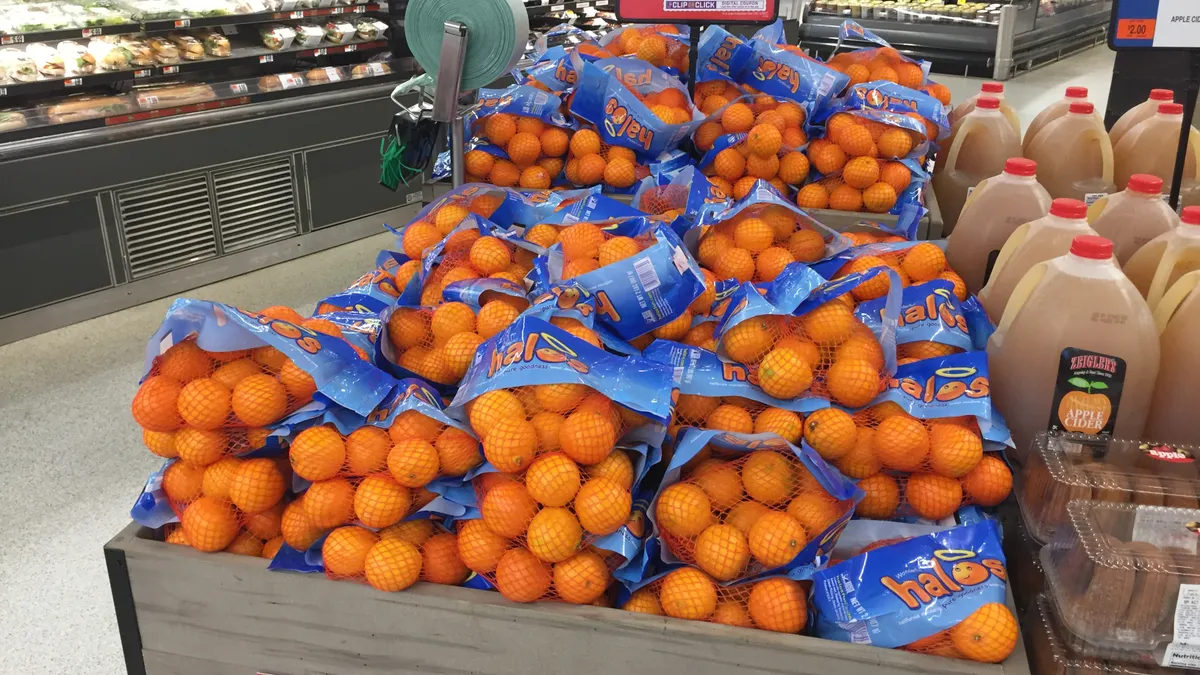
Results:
<point x="1155" y="24"/>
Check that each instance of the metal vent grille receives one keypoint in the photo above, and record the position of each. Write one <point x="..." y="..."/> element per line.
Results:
<point x="167" y="225"/>
<point x="256" y="205"/>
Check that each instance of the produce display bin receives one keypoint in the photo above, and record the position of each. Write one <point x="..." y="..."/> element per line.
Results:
<point x="189" y="613"/>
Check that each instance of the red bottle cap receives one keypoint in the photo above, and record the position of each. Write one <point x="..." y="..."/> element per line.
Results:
<point x="1019" y="166"/>
<point x="1145" y="183"/>
<point x="1170" y="108"/>
<point x="1162" y="95"/>
<point x="1076" y="92"/>
<point x="1068" y="208"/>
<point x="1190" y="215"/>
<point x="1082" y="107"/>
<point x="988" y="103"/>
<point x="993" y="87"/>
<point x="1091" y="246"/>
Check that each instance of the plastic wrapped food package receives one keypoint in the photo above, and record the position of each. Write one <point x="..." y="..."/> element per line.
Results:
<point x="1051" y="654"/>
<point x="370" y="29"/>
<point x="11" y="120"/>
<point x="165" y="51"/>
<point x="172" y="95"/>
<point x="140" y="53"/>
<point x="339" y="32"/>
<point x="277" y="36"/>
<point x="1115" y="572"/>
<point x="309" y="35"/>
<point x="47" y="59"/>
<point x="1065" y="467"/>
<point x="108" y="55"/>
<point x="77" y="108"/>
<point x="324" y="75"/>
<point x="189" y="47"/>
<point x="77" y="60"/>
<point x="152" y="10"/>
<point x="207" y="8"/>
<point x="215" y="44"/>
<point x="373" y="69"/>
<point x="280" y="82"/>
<point x="17" y="65"/>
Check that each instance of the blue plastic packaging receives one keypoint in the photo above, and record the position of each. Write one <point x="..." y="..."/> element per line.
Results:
<point x="928" y="312"/>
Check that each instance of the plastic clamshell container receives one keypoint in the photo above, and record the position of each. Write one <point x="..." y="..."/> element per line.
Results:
<point x="1054" y="651"/>
<point x="1062" y="467"/>
<point x="1026" y="577"/>
<point x="1114" y="570"/>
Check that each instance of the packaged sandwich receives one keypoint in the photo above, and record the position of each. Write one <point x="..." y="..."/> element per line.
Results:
<point x="12" y="119"/>
<point x="18" y="65"/>
<point x="309" y="35"/>
<point x="279" y="82"/>
<point x="76" y="58"/>
<point x="277" y="36"/>
<point x="215" y="44"/>
<point x="189" y="47"/>
<point x="370" y="29"/>
<point x="173" y="95"/>
<point x="164" y="51"/>
<point x="86" y="107"/>
<point x="374" y="69"/>
<point x="339" y="32"/>
<point x="323" y="75"/>
<point x="47" y="59"/>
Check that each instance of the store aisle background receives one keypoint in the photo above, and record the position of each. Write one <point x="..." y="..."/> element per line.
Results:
<point x="75" y="461"/>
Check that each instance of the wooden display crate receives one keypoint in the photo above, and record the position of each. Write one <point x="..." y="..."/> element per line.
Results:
<point x="184" y="612"/>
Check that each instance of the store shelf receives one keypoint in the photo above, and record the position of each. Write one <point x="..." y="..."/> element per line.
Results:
<point x="242" y="55"/>
<point x="550" y="8"/>
<point x="8" y="39"/>
<point x="261" y="17"/>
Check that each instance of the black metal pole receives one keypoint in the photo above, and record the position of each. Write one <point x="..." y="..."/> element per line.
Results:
<point x="1185" y="132"/>
<point x="693" y="52"/>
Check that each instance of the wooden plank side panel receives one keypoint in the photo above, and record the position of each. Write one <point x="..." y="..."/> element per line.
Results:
<point x="228" y="610"/>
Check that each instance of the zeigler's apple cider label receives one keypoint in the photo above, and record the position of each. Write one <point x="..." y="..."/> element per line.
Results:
<point x="1087" y="392"/>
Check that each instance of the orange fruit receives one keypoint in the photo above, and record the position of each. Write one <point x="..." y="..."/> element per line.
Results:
<point x="732" y="613"/>
<point x="831" y="432"/>
<point x="185" y="362"/>
<point x="458" y="452"/>
<point x="345" y="551"/>
<point x="380" y="501"/>
<point x="271" y="548"/>
<point x="617" y="248"/>
<point x="778" y="605"/>
<point x="781" y="220"/>
<point x="813" y="196"/>
<point x="683" y="510"/>
<point x="688" y="593"/>
<point x="329" y="503"/>
<point x="884" y="73"/>
<point x="988" y="635"/>
<point x="534" y="178"/>
<point x="753" y="234"/>
<point x="783" y="374"/>
<point x="256" y="485"/>
<point x="459" y="351"/>
<point x="735" y="263"/>
<point x="838" y="123"/>
<point x="210" y="524"/>
<point x="933" y="497"/>
<point x="845" y="198"/>
<point x="676" y="328"/>
<point x="299" y="385"/>
<point x="720" y="482"/>
<point x="862" y="346"/>
<point x="439" y="561"/>
<point x="413" y="424"/>
<point x="554" y="142"/>
<point x="231" y="373"/>
<point x="201" y="447"/>
<point x="581" y="240"/>
<point x="856" y="141"/>
<point x="861" y="172"/>
<point x="553" y="479"/>
<point x="478" y="547"/>
<point x="827" y="158"/>
<point x="643" y="601"/>
<point x="511" y="444"/>
<point x="296" y="529"/>
<point x="524" y="148"/>
<point x="722" y="551"/>
<point x="749" y="340"/>
<point x="504" y="174"/>
<point x="989" y="483"/>
<point x="730" y="418"/>
<point x="744" y="515"/>
<point x="706" y="135"/>
<point x="853" y="382"/>
<point x="879" y="198"/>
<point x="478" y="162"/>
<point x="897" y="175"/>
<point x="452" y="318"/>
<point x="766" y="168"/>
<point x="737" y="118"/>
<point x="204" y="403"/>
<point x="894" y="143"/>
<point x="317" y="453"/>
<point x="829" y="324"/>
<point x="415" y="532"/>
<point x="413" y="462"/>
<point x="953" y="450"/>
<point x="882" y="497"/>
<point x="729" y="164"/>
<point x="619" y="173"/>
<point x="902" y="443"/>
<point x="259" y="400"/>
<point x="554" y="534"/>
<point x="507" y="509"/>
<point x="693" y="409"/>
<point x="712" y="104"/>
<point x="764" y="140"/>
<point x="392" y="565"/>
<point x="603" y="506"/>
<point x="521" y="577"/>
<point x="858" y="73"/>
<point x="861" y="461"/>
<point x="418" y="238"/>
<point x="783" y="423"/>
<point x="587" y="437"/>
<point x="183" y="481"/>
<point x="499" y="128"/>
<point x="909" y="75"/>
<point x="815" y="511"/>
<point x="585" y="142"/>
<point x="960" y="286"/>
<point x="923" y="262"/>
<point x="591" y="169"/>
<point x="581" y="579"/>
<point x="772" y="262"/>
<point x="548" y="427"/>
<point x="269" y="358"/>
<point x="560" y="398"/>
<point x="792" y="114"/>
<point x="806" y="245"/>
<point x="776" y="539"/>
<point x="793" y="168"/>
<point x="721" y="184"/>
<point x="768" y="477"/>
<point x="616" y="467"/>
<point x="161" y="443"/>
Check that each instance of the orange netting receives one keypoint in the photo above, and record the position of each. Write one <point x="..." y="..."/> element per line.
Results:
<point x="591" y="161"/>
<point x="535" y="152"/>
<point x="586" y="247"/>
<point x="423" y="234"/>
<point x="232" y="505"/>
<point x="439" y="343"/>
<point x="759" y="242"/>
<point x="772" y="148"/>
<point x="738" y="514"/>
<point x="396" y="556"/>
<point x="988" y="635"/>
<point x="562" y="483"/>
<point x="914" y="264"/>
<point x="827" y="352"/>
<point x="776" y="604"/>
<point x="649" y="44"/>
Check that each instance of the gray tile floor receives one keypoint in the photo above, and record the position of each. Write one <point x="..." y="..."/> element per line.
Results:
<point x="75" y="460"/>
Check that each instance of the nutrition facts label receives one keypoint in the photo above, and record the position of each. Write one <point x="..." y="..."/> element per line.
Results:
<point x="1184" y="651"/>
<point x="1163" y="24"/>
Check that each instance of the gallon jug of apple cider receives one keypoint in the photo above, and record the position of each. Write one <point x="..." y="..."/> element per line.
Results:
<point x="1074" y="155"/>
<point x="1052" y="112"/>
<point x="978" y="147"/>
<point x="1138" y="113"/>
<point x="1076" y="350"/>
<point x="1133" y="216"/>
<point x="996" y="207"/>
<point x="1037" y="241"/>
<point x="1173" y="406"/>
<point x="1159" y="264"/>
<point x="1149" y="147"/>
<point x="994" y="90"/>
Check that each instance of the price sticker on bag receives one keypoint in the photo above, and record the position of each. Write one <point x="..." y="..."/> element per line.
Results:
<point x="290" y="81"/>
<point x="239" y="88"/>
<point x="333" y="74"/>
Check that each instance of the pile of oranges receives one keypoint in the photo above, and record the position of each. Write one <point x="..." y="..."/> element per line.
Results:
<point x="396" y="556"/>
<point x="561" y="482"/>
<point x="872" y="65"/>
<point x="439" y="343"/>
<point x="758" y="243"/>
<point x="535" y="152"/>
<point x="771" y="150"/>
<point x="775" y="604"/>
<point x="590" y="161"/>
<point x="914" y="265"/>
<point x="826" y="352"/>
<point x="738" y="516"/>
<point x="933" y="466"/>
<point x="650" y="44"/>
<point x="855" y="156"/>
<point x="586" y="247"/>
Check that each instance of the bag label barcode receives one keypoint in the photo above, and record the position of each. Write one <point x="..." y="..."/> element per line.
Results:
<point x="646" y="274"/>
